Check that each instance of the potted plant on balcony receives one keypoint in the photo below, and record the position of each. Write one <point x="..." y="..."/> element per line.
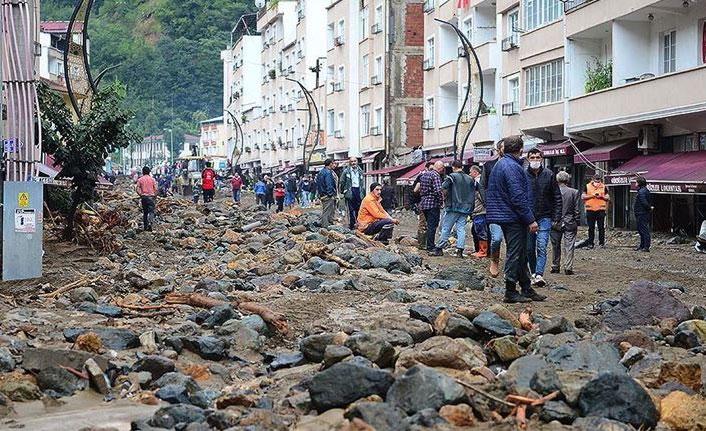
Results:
<point x="273" y="74"/>
<point x="599" y="76"/>
<point x="244" y="118"/>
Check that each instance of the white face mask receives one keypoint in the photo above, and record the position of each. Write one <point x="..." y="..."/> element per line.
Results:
<point x="535" y="165"/>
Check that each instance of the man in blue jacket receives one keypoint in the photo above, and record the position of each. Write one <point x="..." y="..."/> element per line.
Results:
<point x="643" y="214"/>
<point x="508" y="205"/>
<point x="326" y="186"/>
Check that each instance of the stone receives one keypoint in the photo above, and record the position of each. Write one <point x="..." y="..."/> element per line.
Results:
<point x="423" y="312"/>
<point x="83" y="294"/>
<point x="58" y="380"/>
<point x="112" y="338"/>
<point x="346" y="382"/>
<point x="400" y="296"/>
<point x="20" y="390"/>
<point x="494" y="324"/>
<point x="390" y="261"/>
<point x="458" y="354"/>
<point x="599" y="424"/>
<point x="588" y="323"/>
<point x="503" y="312"/>
<point x="619" y="397"/>
<point x="177" y="379"/>
<point x="144" y="279"/>
<point x="313" y="346"/>
<point x="684" y="412"/>
<point x="546" y="343"/>
<point x="571" y="383"/>
<point x="374" y="348"/>
<point x="309" y="283"/>
<point x="169" y="416"/>
<point x="460" y="415"/>
<point x="690" y="372"/>
<point x="506" y="349"/>
<point x="334" y="354"/>
<point x="698" y="312"/>
<point x="287" y="360"/>
<point x="643" y="304"/>
<point x="330" y="420"/>
<point x="423" y="387"/>
<point x="556" y="325"/>
<point x="558" y="411"/>
<point x="442" y="284"/>
<point x="632" y="356"/>
<point x="349" y="284"/>
<point x="108" y="310"/>
<point x="219" y="315"/>
<point x="381" y="416"/>
<point x="691" y="333"/>
<point x="99" y="381"/>
<point x="458" y="326"/>
<point x="7" y="362"/>
<point x="210" y="348"/>
<point x="545" y="381"/>
<point x="156" y="365"/>
<point x="466" y="276"/>
<point x="177" y="394"/>
<point x="427" y="418"/>
<point x="329" y="268"/>
<point x="519" y="374"/>
<point x="148" y="342"/>
<point x="396" y="337"/>
<point x="586" y="355"/>
<point x="292" y="257"/>
<point x="635" y="337"/>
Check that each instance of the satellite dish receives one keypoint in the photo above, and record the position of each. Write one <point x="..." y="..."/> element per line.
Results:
<point x="260" y="3"/>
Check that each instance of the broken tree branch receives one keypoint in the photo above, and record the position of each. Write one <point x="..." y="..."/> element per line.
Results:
<point x="193" y="299"/>
<point x="83" y="281"/>
<point x="483" y="393"/>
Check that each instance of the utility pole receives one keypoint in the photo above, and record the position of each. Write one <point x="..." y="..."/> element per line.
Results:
<point x="171" y="145"/>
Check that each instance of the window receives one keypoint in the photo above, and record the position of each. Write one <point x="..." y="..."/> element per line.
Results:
<point x="378" y="118"/>
<point x="378" y="15"/>
<point x="541" y="12"/>
<point x="544" y="83"/>
<point x="341" y="75"/>
<point x="330" y="122"/>
<point x="330" y="77"/>
<point x="365" y="120"/>
<point x="329" y="36"/>
<point x="339" y="126"/>
<point x="670" y="51"/>
<point x="378" y="68"/>
<point x="514" y="90"/>
<point x="468" y="29"/>
<point x="364" y="23"/>
<point x="429" y="113"/>
<point x="341" y="29"/>
<point x="364" y="71"/>
<point x="430" y="52"/>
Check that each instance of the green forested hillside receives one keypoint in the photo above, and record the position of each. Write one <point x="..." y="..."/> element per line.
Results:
<point x="169" y="51"/>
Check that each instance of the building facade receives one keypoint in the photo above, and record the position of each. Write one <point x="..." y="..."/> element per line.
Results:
<point x="213" y="142"/>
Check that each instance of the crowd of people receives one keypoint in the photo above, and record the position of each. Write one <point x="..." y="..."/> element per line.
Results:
<point x="514" y="199"/>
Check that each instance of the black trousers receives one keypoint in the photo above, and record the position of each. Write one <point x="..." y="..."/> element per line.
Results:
<point x="643" y="228"/>
<point x="516" y="265"/>
<point x="148" y="206"/>
<point x="208" y="195"/>
<point x="376" y="226"/>
<point x="280" y="204"/>
<point x="353" y="207"/>
<point x="432" y="215"/>
<point x="593" y="218"/>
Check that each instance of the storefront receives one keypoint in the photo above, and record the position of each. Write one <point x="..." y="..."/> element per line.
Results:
<point x="677" y="182"/>
<point x="393" y="173"/>
<point x="559" y="156"/>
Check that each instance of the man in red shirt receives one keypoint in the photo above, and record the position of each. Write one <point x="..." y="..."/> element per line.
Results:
<point x="146" y="187"/>
<point x="208" y="183"/>
<point x="236" y="184"/>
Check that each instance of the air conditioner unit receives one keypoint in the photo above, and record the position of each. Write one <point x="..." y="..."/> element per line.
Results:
<point x="648" y="137"/>
<point x="290" y="107"/>
<point x="282" y="108"/>
<point x="461" y="51"/>
<point x="375" y="28"/>
<point x="247" y="149"/>
<point x="337" y="86"/>
<point x="300" y="54"/>
<point x="338" y="134"/>
<point x="338" y="41"/>
<point x="375" y="80"/>
<point x="300" y="14"/>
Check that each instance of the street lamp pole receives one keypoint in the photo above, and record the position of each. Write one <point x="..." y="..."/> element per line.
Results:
<point x="242" y="138"/>
<point x="468" y="48"/>
<point x="171" y="145"/>
<point x="310" y="104"/>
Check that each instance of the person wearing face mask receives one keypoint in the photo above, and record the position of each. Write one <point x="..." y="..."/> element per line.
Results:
<point x="596" y="200"/>
<point x="479" y="224"/>
<point x="547" y="206"/>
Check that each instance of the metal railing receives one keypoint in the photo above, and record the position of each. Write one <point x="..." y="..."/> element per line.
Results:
<point x="511" y="108"/>
<point x="511" y="42"/>
<point x="573" y="4"/>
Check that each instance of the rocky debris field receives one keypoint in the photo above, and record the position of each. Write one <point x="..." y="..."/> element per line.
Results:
<point x="235" y="319"/>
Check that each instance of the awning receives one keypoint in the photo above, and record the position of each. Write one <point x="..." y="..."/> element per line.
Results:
<point x="389" y="170"/>
<point x="47" y="170"/>
<point x="603" y="153"/>
<point x="409" y="177"/>
<point x="369" y="158"/>
<point x="286" y="171"/>
<point x="666" y="173"/>
<point x="467" y="158"/>
<point x="561" y="148"/>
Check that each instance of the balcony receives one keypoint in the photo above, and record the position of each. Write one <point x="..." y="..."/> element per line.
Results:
<point x="375" y="80"/>
<point x="428" y="124"/>
<point x="487" y="128"/>
<point x="338" y="134"/>
<point x="570" y="5"/>
<point x="511" y="108"/>
<point x="591" y="13"/>
<point x="375" y="131"/>
<point x="636" y="102"/>
<point x="488" y="55"/>
<point x="428" y="6"/>
<point x="511" y="42"/>
<point x="338" y="87"/>
<point x="448" y="73"/>
<point x="376" y="28"/>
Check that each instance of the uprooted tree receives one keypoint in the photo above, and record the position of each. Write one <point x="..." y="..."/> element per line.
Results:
<point x="82" y="147"/>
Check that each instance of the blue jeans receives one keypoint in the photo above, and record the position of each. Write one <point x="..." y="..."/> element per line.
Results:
<point x="481" y="227"/>
<point x="289" y="198"/>
<point x="496" y="237"/>
<point x="236" y="195"/>
<point x="537" y="246"/>
<point x="643" y="228"/>
<point x="305" y="199"/>
<point x="450" y="219"/>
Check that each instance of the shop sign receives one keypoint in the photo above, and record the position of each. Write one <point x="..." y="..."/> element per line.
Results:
<point x="554" y="152"/>
<point x="619" y="180"/>
<point x="483" y="154"/>
<point x="675" y="188"/>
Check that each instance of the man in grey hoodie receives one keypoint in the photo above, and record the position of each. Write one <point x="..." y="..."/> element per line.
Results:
<point x="459" y="195"/>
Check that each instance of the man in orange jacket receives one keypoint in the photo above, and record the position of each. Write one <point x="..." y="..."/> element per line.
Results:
<point x="372" y="217"/>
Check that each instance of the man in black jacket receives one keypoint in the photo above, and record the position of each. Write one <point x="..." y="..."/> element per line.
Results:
<point x="643" y="214"/>
<point x="547" y="211"/>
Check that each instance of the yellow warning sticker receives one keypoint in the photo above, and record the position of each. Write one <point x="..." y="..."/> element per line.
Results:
<point x="23" y="199"/>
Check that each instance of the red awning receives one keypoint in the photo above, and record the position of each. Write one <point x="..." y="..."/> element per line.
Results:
<point x="467" y="158"/>
<point x="410" y="176"/>
<point x="603" y="153"/>
<point x="369" y="158"/>
<point x="561" y="148"/>
<point x="389" y="170"/>
<point x="285" y="171"/>
<point x="665" y="173"/>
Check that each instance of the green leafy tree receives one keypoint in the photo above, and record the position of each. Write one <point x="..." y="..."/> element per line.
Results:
<point x="81" y="148"/>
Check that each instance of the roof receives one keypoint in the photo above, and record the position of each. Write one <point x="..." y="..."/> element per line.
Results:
<point x="246" y="25"/>
<point x="666" y="172"/>
<point x="603" y="153"/>
<point x="153" y="138"/>
<point x="58" y="27"/>
<point x="389" y="170"/>
<point x="409" y="177"/>
<point x="191" y="139"/>
<point x="215" y="120"/>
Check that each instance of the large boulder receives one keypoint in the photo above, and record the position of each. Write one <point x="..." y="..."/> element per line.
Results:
<point x="372" y="347"/>
<point x="494" y="324"/>
<point x="466" y="277"/>
<point x="422" y="388"/>
<point x="346" y="382"/>
<point x="458" y="354"/>
<point x="381" y="416"/>
<point x="314" y="346"/>
<point x="390" y="261"/>
<point x="520" y="373"/>
<point x="691" y="333"/>
<point x="586" y="355"/>
<point x="643" y="304"/>
<point x="619" y="397"/>
<point x="112" y="338"/>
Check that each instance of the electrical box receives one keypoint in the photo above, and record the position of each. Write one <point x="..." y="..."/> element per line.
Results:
<point x="23" y="228"/>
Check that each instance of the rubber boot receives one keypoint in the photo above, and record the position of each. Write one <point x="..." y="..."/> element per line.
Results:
<point x="495" y="264"/>
<point x="482" y="249"/>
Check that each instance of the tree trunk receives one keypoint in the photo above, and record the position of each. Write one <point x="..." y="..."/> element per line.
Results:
<point x="71" y="217"/>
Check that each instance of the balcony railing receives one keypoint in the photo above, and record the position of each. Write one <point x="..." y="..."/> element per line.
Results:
<point x="512" y="108"/>
<point x="428" y="124"/>
<point x="375" y="131"/>
<point x="376" y="28"/>
<point x="511" y="42"/>
<point x="375" y="80"/>
<point x="573" y="4"/>
<point x="428" y="64"/>
<point x="338" y="41"/>
<point x="338" y="134"/>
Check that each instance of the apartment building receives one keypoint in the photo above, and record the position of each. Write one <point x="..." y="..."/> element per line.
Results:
<point x="341" y="52"/>
<point x="152" y="151"/>
<point x="599" y="85"/>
